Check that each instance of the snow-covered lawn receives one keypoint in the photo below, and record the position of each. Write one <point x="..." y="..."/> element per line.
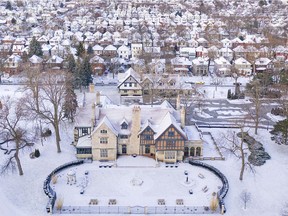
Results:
<point x="152" y="183"/>
<point x="23" y="195"/>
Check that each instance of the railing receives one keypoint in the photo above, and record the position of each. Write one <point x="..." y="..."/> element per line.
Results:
<point x="136" y="210"/>
<point x="224" y="190"/>
<point x="47" y="188"/>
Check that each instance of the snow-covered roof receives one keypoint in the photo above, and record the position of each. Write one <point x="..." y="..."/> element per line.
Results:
<point x="35" y="59"/>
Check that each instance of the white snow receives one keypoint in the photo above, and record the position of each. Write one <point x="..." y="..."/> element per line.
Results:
<point x="23" y="195"/>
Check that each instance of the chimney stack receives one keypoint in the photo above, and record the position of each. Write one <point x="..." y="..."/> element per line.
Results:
<point x="178" y="102"/>
<point x="98" y="98"/>
<point x="182" y="117"/>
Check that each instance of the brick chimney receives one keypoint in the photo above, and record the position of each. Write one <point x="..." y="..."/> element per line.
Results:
<point x="93" y="116"/>
<point x="98" y="98"/>
<point x="182" y="117"/>
<point x="178" y="102"/>
<point x="134" y="144"/>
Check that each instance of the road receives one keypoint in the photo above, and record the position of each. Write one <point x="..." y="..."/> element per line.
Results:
<point x="220" y="112"/>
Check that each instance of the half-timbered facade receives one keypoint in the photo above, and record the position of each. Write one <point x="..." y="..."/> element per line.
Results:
<point x="158" y="132"/>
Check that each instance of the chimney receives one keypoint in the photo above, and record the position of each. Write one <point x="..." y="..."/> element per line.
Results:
<point x="182" y="117"/>
<point x="178" y="102"/>
<point x="98" y="98"/>
<point x="134" y="144"/>
<point x="93" y="115"/>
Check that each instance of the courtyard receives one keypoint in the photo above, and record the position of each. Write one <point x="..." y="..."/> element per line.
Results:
<point x="136" y="181"/>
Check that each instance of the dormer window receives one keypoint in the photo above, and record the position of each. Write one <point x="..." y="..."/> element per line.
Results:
<point x="124" y="125"/>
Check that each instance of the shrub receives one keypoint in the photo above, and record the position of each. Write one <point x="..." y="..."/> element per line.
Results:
<point x="214" y="203"/>
<point x="59" y="203"/>
<point x="37" y="153"/>
<point x="54" y="179"/>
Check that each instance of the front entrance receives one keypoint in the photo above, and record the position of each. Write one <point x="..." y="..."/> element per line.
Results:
<point x="124" y="149"/>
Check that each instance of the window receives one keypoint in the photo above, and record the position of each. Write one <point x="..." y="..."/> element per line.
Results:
<point x="103" y="131"/>
<point x="103" y="153"/>
<point x="84" y="151"/>
<point x="171" y="133"/>
<point x="124" y="125"/>
<point x="147" y="149"/>
<point x="169" y="155"/>
<point x="84" y="131"/>
<point x="135" y="84"/>
<point x="170" y="144"/>
<point x="123" y="136"/>
<point x="103" y="140"/>
<point x="125" y="84"/>
<point x="130" y="84"/>
<point x="148" y="137"/>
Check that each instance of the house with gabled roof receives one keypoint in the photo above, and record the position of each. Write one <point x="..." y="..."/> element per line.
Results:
<point x="158" y="132"/>
<point x="243" y="66"/>
<point x="12" y="65"/>
<point x="130" y="84"/>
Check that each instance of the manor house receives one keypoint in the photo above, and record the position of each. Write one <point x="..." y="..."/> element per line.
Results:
<point x="104" y="130"/>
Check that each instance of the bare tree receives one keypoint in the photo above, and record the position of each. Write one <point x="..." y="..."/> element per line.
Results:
<point x="14" y="135"/>
<point x="245" y="197"/>
<point x="256" y="110"/>
<point x="50" y="101"/>
<point x="231" y="143"/>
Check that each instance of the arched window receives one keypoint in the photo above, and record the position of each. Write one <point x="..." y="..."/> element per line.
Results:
<point x="186" y="152"/>
<point x="192" y="151"/>
<point x="198" y="151"/>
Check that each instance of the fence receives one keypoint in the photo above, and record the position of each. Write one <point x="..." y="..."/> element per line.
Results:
<point x="224" y="190"/>
<point x="136" y="210"/>
<point x="47" y="188"/>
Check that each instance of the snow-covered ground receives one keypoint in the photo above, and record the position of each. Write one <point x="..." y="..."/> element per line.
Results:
<point x="23" y="195"/>
<point x="155" y="183"/>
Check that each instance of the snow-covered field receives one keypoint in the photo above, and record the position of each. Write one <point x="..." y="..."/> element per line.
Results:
<point x="23" y="195"/>
<point x="152" y="183"/>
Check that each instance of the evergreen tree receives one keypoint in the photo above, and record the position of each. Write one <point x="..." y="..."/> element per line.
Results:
<point x="80" y="50"/>
<point x="8" y="5"/>
<point x="90" y="50"/>
<point x="85" y="72"/>
<point x="35" y="48"/>
<point x="13" y="21"/>
<point x="282" y="127"/>
<point x="71" y="64"/>
<point x="70" y="103"/>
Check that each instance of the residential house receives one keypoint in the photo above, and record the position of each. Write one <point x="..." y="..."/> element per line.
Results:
<point x="227" y="53"/>
<point x="136" y="49"/>
<point x="36" y="61"/>
<point x="97" y="65"/>
<point x="110" y="51"/>
<point x="124" y="52"/>
<point x="55" y="62"/>
<point x="263" y="65"/>
<point x="12" y="65"/>
<point x="130" y="84"/>
<point x="158" y="132"/>
<point x="243" y="67"/>
<point x="98" y="50"/>
<point x="222" y="66"/>
<point x="200" y="66"/>
<point x="180" y="65"/>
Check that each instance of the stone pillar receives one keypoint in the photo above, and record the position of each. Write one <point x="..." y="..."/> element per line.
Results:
<point x="182" y="117"/>
<point x="97" y="98"/>
<point x="134" y="144"/>
<point x="91" y="88"/>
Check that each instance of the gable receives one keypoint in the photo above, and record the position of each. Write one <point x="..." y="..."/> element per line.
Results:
<point x="130" y="79"/>
<point x="166" y="134"/>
